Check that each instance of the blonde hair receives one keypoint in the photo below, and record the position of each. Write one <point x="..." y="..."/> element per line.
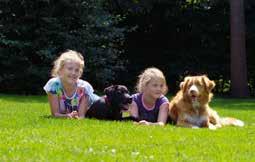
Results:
<point x="69" y="55"/>
<point x="147" y="75"/>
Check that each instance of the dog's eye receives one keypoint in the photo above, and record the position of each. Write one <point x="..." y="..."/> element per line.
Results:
<point x="198" y="85"/>
<point x="119" y="93"/>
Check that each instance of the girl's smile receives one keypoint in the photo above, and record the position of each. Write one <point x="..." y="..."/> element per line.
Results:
<point x="70" y="72"/>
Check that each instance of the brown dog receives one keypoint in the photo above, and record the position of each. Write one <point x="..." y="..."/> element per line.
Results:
<point x="190" y="106"/>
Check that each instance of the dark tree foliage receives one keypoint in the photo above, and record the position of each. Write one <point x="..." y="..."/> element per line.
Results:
<point x="250" y="41"/>
<point x="181" y="37"/>
<point x="119" y="39"/>
<point x="34" y="32"/>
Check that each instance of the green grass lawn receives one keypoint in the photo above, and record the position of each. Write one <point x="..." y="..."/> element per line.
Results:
<point x="27" y="133"/>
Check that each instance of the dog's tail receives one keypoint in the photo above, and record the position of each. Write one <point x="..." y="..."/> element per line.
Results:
<point x="231" y="121"/>
<point x="218" y="121"/>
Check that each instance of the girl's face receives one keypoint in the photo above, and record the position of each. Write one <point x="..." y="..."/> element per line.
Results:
<point x="154" y="88"/>
<point x="70" y="72"/>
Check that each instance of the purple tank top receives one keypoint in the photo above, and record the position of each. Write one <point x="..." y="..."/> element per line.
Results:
<point x="145" y="114"/>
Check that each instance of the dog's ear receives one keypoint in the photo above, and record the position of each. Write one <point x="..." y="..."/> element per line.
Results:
<point x="209" y="84"/>
<point x="184" y="84"/>
<point x="123" y="88"/>
<point x="116" y="87"/>
<point x="108" y="90"/>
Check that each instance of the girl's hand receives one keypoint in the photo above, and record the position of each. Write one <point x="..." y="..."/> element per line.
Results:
<point x="73" y="114"/>
<point x="69" y="115"/>
<point x="143" y="122"/>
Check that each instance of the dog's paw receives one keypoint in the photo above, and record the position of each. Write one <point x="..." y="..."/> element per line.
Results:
<point x="195" y="127"/>
<point x="212" y="127"/>
<point x="218" y="125"/>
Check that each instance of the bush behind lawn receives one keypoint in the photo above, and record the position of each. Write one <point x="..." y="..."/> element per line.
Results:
<point x="28" y="133"/>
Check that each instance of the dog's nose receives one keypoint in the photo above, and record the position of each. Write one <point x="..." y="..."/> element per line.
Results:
<point x="130" y="99"/>
<point x="193" y="89"/>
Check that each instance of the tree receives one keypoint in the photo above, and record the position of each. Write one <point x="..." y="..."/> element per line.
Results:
<point x="239" y="86"/>
<point x="33" y="32"/>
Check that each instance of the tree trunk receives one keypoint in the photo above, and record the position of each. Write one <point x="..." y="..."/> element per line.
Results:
<point x="239" y="84"/>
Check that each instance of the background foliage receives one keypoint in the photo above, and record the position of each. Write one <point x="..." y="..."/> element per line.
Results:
<point x="33" y="33"/>
<point x="119" y="39"/>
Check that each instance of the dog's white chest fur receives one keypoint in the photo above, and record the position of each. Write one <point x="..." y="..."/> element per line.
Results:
<point x="195" y="118"/>
<point x="195" y="104"/>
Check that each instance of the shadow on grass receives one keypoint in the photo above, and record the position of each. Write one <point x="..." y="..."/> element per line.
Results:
<point x="48" y="117"/>
<point x="23" y="98"/>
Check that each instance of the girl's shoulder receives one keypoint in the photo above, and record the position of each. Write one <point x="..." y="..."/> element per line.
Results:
<point x="136" y="95"/>
<point x="53" y="85"/>
<point x="163" y="98"/>
<point x="83" y="83"/>
<point x="54" y="80"/>
<point x="86" y="86"/>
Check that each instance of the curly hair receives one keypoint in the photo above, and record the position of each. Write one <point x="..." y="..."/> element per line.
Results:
<point x="66" y="56"/>
<point x="147" y="75"/>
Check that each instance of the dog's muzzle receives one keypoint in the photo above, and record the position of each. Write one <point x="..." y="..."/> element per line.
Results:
<point x="128" y="100"/>
<point x="193" y="89"/>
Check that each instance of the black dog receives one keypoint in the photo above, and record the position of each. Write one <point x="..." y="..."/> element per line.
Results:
<point x="111" y="106"/>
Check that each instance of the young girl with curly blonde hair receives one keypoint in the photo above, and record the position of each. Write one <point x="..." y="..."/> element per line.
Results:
<point x="68" y="95"/>
<point x="150" y="104"/>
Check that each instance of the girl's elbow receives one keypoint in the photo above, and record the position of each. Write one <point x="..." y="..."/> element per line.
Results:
<point x="54" y="114"/>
